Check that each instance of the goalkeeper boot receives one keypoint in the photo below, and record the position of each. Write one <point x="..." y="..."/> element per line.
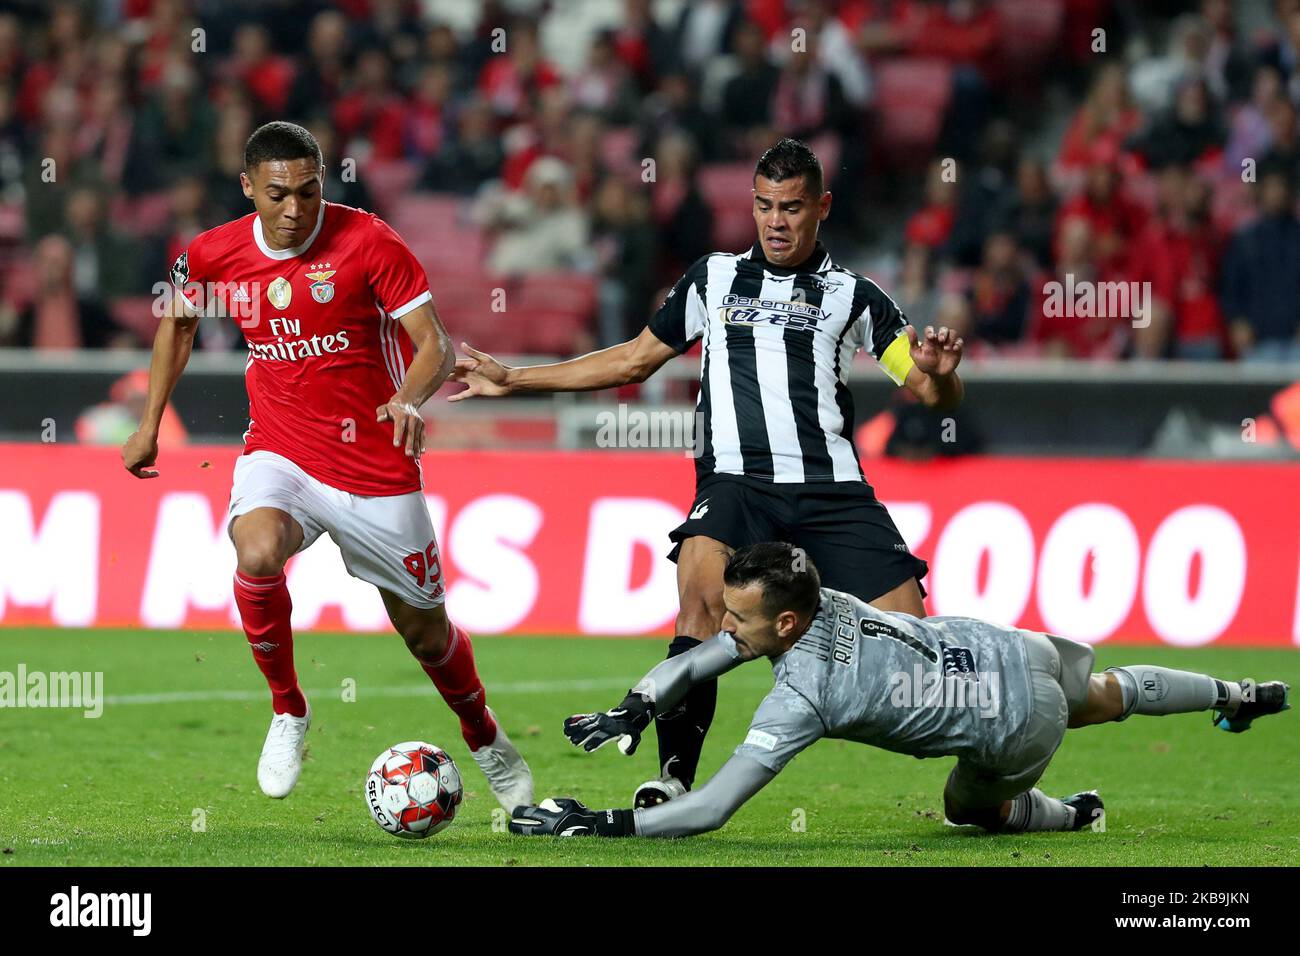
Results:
<point x="1088" y="809"/>
<point x="507" y="774"/>
<point x="1257" y="700"/>
<point x="281" y="761"/>
<point x="661" y="790"/>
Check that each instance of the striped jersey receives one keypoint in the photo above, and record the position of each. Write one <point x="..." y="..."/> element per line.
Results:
<point x="777" y="344"/>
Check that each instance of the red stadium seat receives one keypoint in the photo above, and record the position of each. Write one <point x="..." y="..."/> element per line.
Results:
<point x="727" y="185"/>
<point x="570" y="292"/>
<point x="911" y="97"/>
<point x="432" y="216"/>
<point x="1029" y="35"/>
<point x="136" y="314"/>
<point x="728" y="190"/>
<point x="387" y="181"/>
<point x="733" y="229"/>
<point x="551" y="332"/>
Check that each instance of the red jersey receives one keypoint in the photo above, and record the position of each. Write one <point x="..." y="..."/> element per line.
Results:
<point x="325" y="347"/>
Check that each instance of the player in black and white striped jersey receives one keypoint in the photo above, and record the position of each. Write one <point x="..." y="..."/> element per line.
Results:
<point x="775" y="457"/>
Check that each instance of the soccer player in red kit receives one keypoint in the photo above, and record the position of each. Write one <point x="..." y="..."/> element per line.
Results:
<point x="344" y="346"/>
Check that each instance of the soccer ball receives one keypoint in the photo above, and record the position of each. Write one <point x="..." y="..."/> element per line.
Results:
<point x="413" y="789"/>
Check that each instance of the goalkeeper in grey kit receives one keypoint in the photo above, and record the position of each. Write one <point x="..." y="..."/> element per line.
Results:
<point x="997" y="698"/>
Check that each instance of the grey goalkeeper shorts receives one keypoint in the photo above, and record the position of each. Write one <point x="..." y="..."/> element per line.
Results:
<point x="1058" y="674"/>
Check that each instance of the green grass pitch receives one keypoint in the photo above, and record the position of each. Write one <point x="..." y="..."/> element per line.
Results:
<point x="166" y="776"/>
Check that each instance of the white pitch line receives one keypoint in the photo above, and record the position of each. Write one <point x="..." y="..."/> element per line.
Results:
<point x="405" y="690"/>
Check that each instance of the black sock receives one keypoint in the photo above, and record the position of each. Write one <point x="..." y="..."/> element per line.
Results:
<point x="681" y="730"/>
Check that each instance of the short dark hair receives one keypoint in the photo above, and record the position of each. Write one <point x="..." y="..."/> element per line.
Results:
<point x="280" y="140"/>
<point x="790" y="158"/>
<point x="786" y="574"/>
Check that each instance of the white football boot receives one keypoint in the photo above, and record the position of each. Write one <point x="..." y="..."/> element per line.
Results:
<point x="660" y="790"/>
<point x="507" y="773"/>
<point x="281" y="760"/>
<point x="654" y="792"/>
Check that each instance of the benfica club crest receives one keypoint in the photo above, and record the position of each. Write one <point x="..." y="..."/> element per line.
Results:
<point x="322" y="290"/>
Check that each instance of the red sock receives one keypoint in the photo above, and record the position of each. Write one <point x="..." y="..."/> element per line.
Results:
<point x="264" y="606"/>
<point x="457" y="680"/>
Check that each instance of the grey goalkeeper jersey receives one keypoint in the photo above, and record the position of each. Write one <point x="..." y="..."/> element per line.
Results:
<point x="943" y="686"/>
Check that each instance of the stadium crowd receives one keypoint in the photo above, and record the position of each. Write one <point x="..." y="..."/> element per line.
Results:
<point x="582" y="154"/>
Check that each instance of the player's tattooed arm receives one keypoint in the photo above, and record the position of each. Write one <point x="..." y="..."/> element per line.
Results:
<point x="933" y="376"/>
<point x="434" y="359"/>
<point x="172" y="344"/>
<point x="632" y="361"/>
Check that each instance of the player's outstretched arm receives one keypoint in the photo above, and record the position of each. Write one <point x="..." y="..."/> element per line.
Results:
<point x="172" y="345"/>
<point x="632" y="361"/>
<point x="933" y="376"/>
<point x="434" y="358"/>
<point x="659" y="691"/>
<point x="699" y="811"/>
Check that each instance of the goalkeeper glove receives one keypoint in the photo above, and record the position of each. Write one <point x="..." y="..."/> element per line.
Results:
<point x="565" y="816"/>
<point x="624" y="723"/>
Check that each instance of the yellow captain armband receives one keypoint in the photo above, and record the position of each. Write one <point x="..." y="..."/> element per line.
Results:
<point x="896" y="360"/>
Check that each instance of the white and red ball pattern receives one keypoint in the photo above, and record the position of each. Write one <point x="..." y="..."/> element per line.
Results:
<point x="413" y="789"/>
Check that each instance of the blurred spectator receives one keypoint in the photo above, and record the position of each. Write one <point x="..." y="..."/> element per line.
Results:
<point x="829" y="42"/>
<point x="1029" y="211"/>
<point x="12" y="147"/>
<point x="1061" y="331"/>
<point x="747" y="96"/>
<point x="932" y="223"/>
<point x="343" y="181"/>
<point x="999" y="293"/>
<point x="682" y="219"/>
<point x="1283" y="149"/>
<point x="674" y="108"/>
<point x="233" y="130"/>
<point x="705" y="30"/>
<point x="105" y="264"/>
<point x="1251" y="130"/>
<point x="982" y="192"/>
<point x="511" y="82"/>
<point x="625" y="258"/>
<point x="915" y="290"/>
<point x="174" y="131"/>
<point x="1227" y="62"/>
<point x="471" y="157"/>
<point x="112" y="422"/>
<point x="1179" y="253"/>
<point x="643" y="44"/>
<point x="253" y="64"/>
<point x="1107" y="116"/>
<point x="604" y="85"/>
<point x="371" y="117"/>
<point x="1189" y="133"/>
<point x="542" y="230"/>
<point x="56" y="317"/>
<point x="321" y="76"/>
<point x="809" y="99"/>
<point x="1114" y="219"/>
<point x="1155" y="79"/>
<point x="1261" y="275"/>
<point x="428" y="111"/>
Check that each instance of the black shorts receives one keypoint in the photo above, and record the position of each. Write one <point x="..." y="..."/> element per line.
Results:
<point x="843" y="528"/>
